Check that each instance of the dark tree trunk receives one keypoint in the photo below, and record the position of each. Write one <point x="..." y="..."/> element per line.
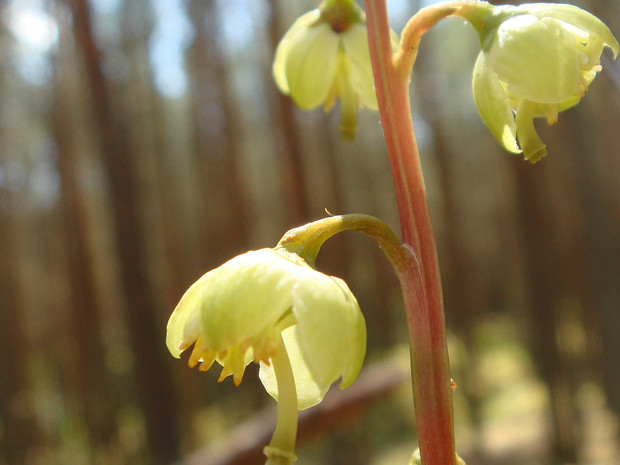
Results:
<point x="154" y="382"/>
<point x="91" y="384"/>
<point x="225" y="197"/>
<point x="286" y="132"/>
<point x="20" y="432"/>
<point x="545" y="266"/>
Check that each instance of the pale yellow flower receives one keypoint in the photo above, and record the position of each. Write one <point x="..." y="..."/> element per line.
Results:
<point x="538" y="60"/>
<point x="237" y="313"/>
<point x="324" y="57"/>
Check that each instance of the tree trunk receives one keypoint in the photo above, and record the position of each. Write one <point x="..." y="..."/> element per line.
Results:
<point x="91" y="384"/>
<point x="546" y="280"/>
<point x="225" y="197"/>
<point x="286" y="132"/>
<point x="154" y="382"/>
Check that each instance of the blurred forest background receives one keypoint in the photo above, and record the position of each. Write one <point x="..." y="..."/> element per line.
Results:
<point x="143" y="142"/>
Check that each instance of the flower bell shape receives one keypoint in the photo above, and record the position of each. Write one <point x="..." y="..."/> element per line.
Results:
<point x="239" y="313"/>
<point x="537" y="59"/>
<point x="325" y="56"/>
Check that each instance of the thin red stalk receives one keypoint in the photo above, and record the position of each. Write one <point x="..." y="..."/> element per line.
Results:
<point x="420" y="281"/>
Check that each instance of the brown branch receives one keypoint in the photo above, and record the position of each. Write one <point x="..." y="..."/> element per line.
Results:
<point x="244" y="445"/>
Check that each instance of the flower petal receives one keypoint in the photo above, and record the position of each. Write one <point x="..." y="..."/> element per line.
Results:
<point x="330" y="329"/>
<point x="537" y="59"/>
<point x="297" y="29"/>
<point x="576" y="17"/>
<point x="493" y="105"/>
<point x="184" y="323"/>
<point x="328" y="341"/>
<point x="244" y="296"/>
<point x="309" y="392"/>
<point x="311" y="64"/>
<point x="355" y="40"/>
<point x="356" y="335"/>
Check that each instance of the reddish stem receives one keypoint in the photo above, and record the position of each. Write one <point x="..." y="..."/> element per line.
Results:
<point x="420" y="280"/>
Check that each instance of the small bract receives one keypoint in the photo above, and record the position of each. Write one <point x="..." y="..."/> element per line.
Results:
<point x="236" y="314"/>
<point x="539" y="60"/>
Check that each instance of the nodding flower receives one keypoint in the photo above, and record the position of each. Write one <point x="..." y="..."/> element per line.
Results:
<point x="324" y="56"/>
<point x="238" y="313"/>
<point x="536" y="60"/>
